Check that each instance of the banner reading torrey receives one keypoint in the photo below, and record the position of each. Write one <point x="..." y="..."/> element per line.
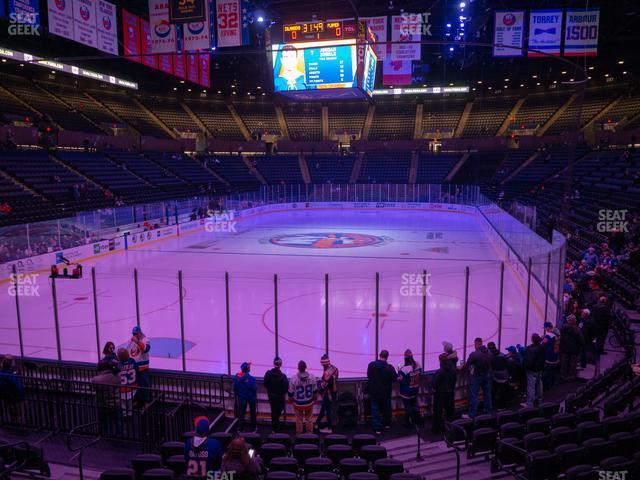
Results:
<point x="508" y="33"/>
<point x="581" y="38"/>
<point x="545" y="32"/>
<point x="229" y="23"/>
<point x="163" y="34"/>
<point x="378" y="27"/>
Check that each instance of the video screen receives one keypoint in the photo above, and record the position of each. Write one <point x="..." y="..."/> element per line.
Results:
<point x="369" y="72"/>
<point x="314" y="65"/>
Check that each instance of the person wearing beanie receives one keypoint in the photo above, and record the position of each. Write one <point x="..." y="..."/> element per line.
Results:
<point x="302" y="393"/>
<point x="381" y="376"/>
<point x="551" y="345"/>
<point x="534" y="362"/>
<point x="452" y="355"/>
<point x="245" y="390"/>
<point x="409" y="376"/>
<point x="443" y="385"/>
<point x="277" y="385"/>
<point x="201" y="453"/>
<point x="517" y="380"/>
<point x="499" y="377"/>
<point x="571" y="345"/>
<point x="328" y="388"/>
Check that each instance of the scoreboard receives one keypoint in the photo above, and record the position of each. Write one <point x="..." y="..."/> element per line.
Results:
<point x="315" y="31"/>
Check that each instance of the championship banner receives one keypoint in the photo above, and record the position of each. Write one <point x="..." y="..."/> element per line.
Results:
<point x="186" y="11"/>
<point x="165" y="63"/>
<point x="179" y="67"/>
<point x="406" y="28"/>
<point x="148" y="58"/>
<point x="508" y="32"/>
<point x="396" y="72"/>
<point x="197" y="35"/>
<point x="60" y="14"/>
<point x="205" y="72"/>
<point x="582" y="29"/>
<point x="84" y="22"/>
<point x="163" y="34"/>
<point x="131" y="36"/>
<point x="24" y="11"/>
<point x="378" y="26"/>
<point x="233" y="30"/>
<point x="107" y="27"/>
<point x="193" y="67"/>
<point x="545" y="32"/>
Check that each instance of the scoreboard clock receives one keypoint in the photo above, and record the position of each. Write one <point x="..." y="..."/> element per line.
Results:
<point x="314" y="31"/>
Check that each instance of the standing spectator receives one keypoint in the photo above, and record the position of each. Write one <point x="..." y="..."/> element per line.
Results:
<point x="237" y="460"/>
<point x="534" y="362"/>
<point x="107" y="389"/>
<point x="515" y="369"/>
<point x="202" y="454"/>
<point x="11" y="388"/>
<point x="571" y="344"/>
<point x="443" y="385"/>
<point x="277" y="385"/>
<point x="128" y="373"/>
<point x="409" y="377"/>
<point x="138" y="348"/>
<point x="381" y="376"/>
<point x="479" y="366"/>
<point x="109" y="356"/>
<point x="551" y="344"/>
<point x="586" y="326"/>
<point x="499" y="377"/>
<point x="245" y="390"/>
<point x="452" y="355"/>
<point x="302" y="392"/>
<point x="601" y="320"/>
<point x="328" y="392"/>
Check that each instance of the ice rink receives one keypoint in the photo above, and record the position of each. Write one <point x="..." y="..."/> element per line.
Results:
<point x="300" y="247"/>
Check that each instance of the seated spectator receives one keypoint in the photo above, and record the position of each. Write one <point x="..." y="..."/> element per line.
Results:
<point x="240" y="460"/>
<point x="202" y="454"/>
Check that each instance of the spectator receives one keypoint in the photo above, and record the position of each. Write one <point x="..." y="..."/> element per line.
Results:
<point x="128" y="373"/>
<point x="11" y="389"/>
<point x="590" y="257"/>
<point x="534" y="363"/>
<point x="138" y="348"/>
<point x="107" y="392"/>
<point x="109" y="356"/>
<point x="452" y="355"/>
<point x="328" y="392"/>
<point x="277" y="385"/>
<point x="240" y="461"/>
<point x="245" y="390"/>
<point x="302" y="392"/>
<point x="601" y="321"/>
<point x="443" y="385"/>
<point x="479" y="366"/>
<point x="499" y="377"/>
<point x="571" y="344"/>
<point x="515" y="368"/>
<point x="202" y="454"/>
<point x="551" y="345"/>
<point x="409" y="377"/>
<point x="586" y="326"/>
<point x="381" y="376"/>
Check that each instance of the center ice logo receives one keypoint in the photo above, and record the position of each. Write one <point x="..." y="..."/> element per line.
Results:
<point x="326" y="240"/>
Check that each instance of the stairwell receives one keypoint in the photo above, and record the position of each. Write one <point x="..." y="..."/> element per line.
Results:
<point x="413" y="168"/>
<point x="325" y="122"/>
<point x="511" y="116"/>
<point x="457" y="166"/>
<point x="23" y="186"/>
<point x="542" y="130"/>
<point x="464" y="118"/>
<point x="602" y="112"/>
<point x="521" y="167"/>
<point x="368" y="121"/>
<point x="247" y="161"/>
<point x="19" y="100"/>
<point x="282" y="123"/>
<point x="169" y="131"/>
<point x="304" y="168"/>
<point x="417" y="127"/>
<point x="203" y="128"/>
<point x="243" y="128"/>
<point x="51" y="94"/>
<point x="77" y="172"/>
<point x="357" y="165"/>
<point x="133" y="130"/>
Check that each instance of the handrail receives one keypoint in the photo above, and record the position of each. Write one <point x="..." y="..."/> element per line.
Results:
<point x="448" y="428"/>
<point x="81" y="449"/>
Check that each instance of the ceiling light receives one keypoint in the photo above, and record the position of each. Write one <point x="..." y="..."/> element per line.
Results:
<point x="188" y="90"/>
<point x="522" y="85"/>
<point x="564" y="72"/>
<point x="534" y="76"/>
<point x="538" y="83"/>
<point x="506" y="79"/>
<point x="175" y="88"/>
<point x="606" y="74"/>
<point x="624" y="73"/>
<point x="479" y="81"/>
<point x="620" y="62"/>
<point x="181" y="81"/>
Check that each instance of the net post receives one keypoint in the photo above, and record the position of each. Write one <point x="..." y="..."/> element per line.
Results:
<point x="275" y="311"/>
<point x="137" y="293"/>
<point x="14" y="280"/>
<point x="526" y="318"/>
<point x="55" y="317"/>
<point x="226" y="295"/>
<point x="326" y="313"/>
<point x="95" y="308"/>
<point x="377" y="314"/>
<point x="466" y="312"/>
<point x="500" y="306"/>
<point x="181" y="303"/>
<point x="424" y="318"/>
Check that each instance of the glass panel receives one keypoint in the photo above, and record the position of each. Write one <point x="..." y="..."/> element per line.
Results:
<point x="38" y="325"/>
<point x="514" y="303"/>
<point x="484" y="296"/>
<point x="9" y="328"/>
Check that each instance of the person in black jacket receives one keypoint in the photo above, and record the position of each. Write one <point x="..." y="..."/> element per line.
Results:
<point x="277" y="385"/>
<point x="381" y="376"/>
<point x="479" y="366"/>
<point x="443" y="385"/>
<point x="601" y="320"/>
<point x="534" y="365"/>
<point x="571" y="344"/>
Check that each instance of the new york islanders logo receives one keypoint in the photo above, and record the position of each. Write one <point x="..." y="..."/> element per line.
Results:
<point x="84" y="13"/>
<point x="327" y="240"/>
<point x="162" y="29"/>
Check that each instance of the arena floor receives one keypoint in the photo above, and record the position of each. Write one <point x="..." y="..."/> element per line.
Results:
<point x="349" y="246"/>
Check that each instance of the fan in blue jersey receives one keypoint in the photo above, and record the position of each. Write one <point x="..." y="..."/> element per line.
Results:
<point x="202" y="454"/>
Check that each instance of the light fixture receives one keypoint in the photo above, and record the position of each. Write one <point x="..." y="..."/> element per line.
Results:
<point x="538" y="83"/>
<point x="591" y="68"/>
<point x="260" y="19"/>
<point x="181" y="81"/>
<point x="22" y="64"/>
<point x="564" y="72"/>
<point x="488" y="88"/>
<point x="175" y="88"/>
<point x="624" y="73"/>
<point x="606" y="75"/>
<point x="259" y="87"/>
<point x="534" y="76"/>
<point x="522" y="84"/>
<point x="53" y="71"/>
<point x="188" y="89"/>
<point x="451" y="84"/>
<point x="620" y="62"/>
<point x="506" y="86"/>
<point x="204" y="91"/>
<point x="479" y="81"/>
<point x="219" y="91"/>
<point x="506" y="79"/>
